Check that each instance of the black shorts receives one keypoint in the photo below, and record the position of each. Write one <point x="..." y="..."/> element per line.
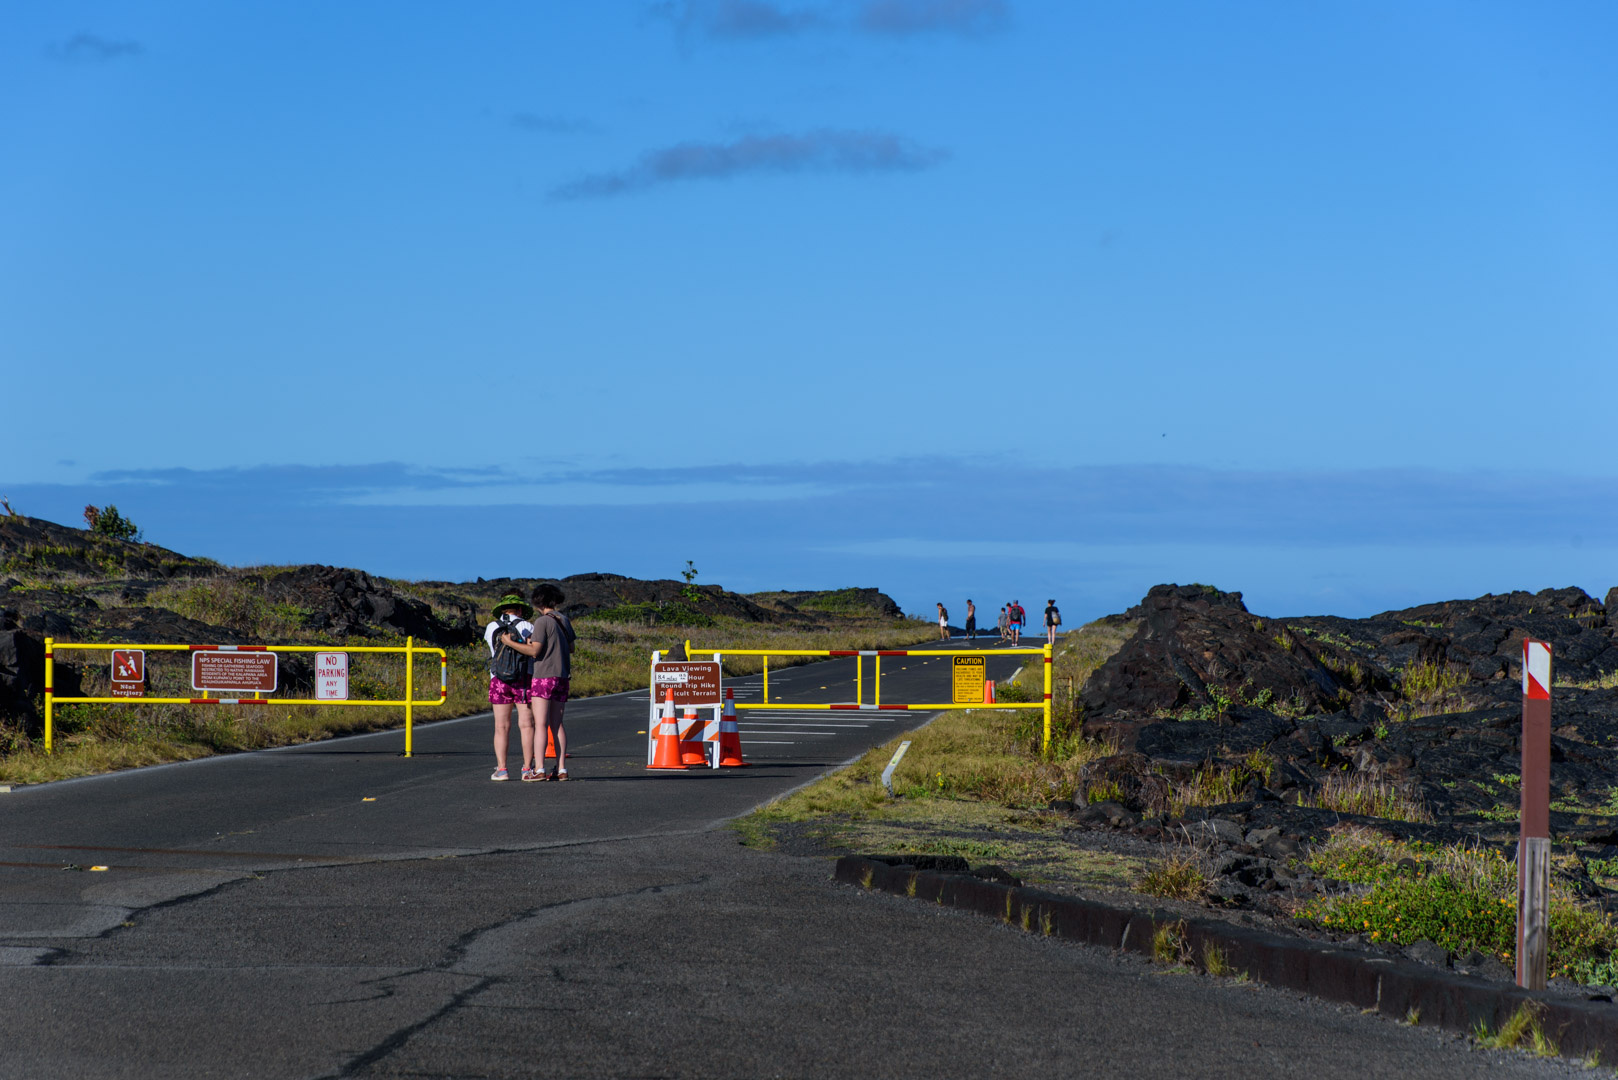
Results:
<point x="971" y="625"/>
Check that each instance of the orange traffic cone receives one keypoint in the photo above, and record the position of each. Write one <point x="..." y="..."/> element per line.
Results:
<point x="691" y="752"/>
<point x="550" y="741"/>
<point x="730" y="736"/>
<point x="988" y="691"/>
<point x="667" y="754"/>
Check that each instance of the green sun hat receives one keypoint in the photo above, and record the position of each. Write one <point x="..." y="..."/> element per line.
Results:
<point x="511" y="599"/>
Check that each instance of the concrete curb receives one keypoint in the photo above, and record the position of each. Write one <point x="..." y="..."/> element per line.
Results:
<point x="1390" y="986"/>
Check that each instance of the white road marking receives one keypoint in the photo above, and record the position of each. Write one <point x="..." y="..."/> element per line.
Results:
<point x="800" y="723"/>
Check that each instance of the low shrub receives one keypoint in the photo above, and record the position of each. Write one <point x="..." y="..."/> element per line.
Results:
<point x="1461" y="899"/>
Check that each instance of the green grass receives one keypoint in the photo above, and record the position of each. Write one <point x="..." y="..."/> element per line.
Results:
<point x="1423" y="679"/>
<point x="235" y="605"/>
<point x="1606" y="681"/>
<point x="967" y="786"/>
<point x="1523" y="1030"/>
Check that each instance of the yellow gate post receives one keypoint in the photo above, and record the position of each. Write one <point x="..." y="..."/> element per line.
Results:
<point x="766" y="678"/>
<point x="50" y="671"/>
<point x="410" y="692"/>
<point x="1046" y="748"/>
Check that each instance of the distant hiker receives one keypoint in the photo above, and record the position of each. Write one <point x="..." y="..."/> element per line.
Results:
<point x="1053" y="619"/>
<point x="943" y="623"/>
<point x="1005" y="623"/>
<point x="552" y="650"/>
<point x="971" y="621"/>
<point x="1019" y="619"/>
<point x="509" y="678"/>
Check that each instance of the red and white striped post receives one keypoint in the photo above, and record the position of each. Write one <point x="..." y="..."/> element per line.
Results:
<point x="1534" y="837"/>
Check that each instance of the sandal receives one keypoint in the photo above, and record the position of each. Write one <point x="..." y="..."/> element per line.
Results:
<point x="499" y="774"/>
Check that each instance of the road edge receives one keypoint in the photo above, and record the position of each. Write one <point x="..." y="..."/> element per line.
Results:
<point x="1394" y="987"/>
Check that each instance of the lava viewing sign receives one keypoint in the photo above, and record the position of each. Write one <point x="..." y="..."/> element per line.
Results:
<point x="969" y="679"/>
<point x="247" y="672"/>
<point x="128" y="673"/>
<point x="331" y="676"/>
<point x="694" y="682"/>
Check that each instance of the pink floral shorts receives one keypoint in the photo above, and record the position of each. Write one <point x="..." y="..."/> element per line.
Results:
<point x="503" y="693"/>
<point x="549" y="689"/>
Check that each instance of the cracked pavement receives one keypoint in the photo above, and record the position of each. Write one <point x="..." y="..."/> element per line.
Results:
<point x="258" y="919"/>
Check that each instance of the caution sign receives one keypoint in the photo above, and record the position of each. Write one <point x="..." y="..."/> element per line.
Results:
<point x="969" y="672"/>
<point x="331" y="676"/>
<point x="128" y="673"/>
<point x="694" y="682"/>
<point x="249" y="672"/>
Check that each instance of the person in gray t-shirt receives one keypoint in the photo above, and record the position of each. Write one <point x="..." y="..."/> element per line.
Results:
<point x="552" y="650"/>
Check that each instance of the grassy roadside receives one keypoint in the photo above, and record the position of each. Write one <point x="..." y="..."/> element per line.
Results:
<point x="972" y="782"/>
<point x="968" y="784"/>
<point x="609" y="657"/>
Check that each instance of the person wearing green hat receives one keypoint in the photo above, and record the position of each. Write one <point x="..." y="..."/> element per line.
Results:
<point x="509" y="677"/>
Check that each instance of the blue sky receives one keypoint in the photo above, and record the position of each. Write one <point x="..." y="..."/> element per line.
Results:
<point x="954" y="297"/>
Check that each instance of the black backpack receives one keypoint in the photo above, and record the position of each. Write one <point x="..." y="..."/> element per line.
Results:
<point x="507" y="664"/>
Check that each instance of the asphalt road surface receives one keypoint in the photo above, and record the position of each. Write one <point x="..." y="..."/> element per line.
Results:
<point x="338" y="910"/>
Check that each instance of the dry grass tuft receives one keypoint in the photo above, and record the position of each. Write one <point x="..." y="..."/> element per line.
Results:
<point x="1215" y="962"/>
<point x="1178" y="877"/>
<point x="1169" y="944"/>
<point x="1352" y="794"/>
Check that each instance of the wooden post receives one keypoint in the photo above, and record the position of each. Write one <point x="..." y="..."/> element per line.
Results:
<point x="1534" y="836"/>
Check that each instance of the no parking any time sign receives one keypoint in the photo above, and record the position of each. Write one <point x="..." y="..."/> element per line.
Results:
<point x="331" y="676"/>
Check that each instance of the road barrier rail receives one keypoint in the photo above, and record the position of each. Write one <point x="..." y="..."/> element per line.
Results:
<point x="876" y="704"/>
<point x="410" y="650"/>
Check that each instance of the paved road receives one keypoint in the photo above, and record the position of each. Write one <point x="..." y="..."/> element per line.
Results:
<point x="259" y="918"/>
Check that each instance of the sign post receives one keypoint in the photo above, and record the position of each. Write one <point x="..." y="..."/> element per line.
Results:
<point x="1534" y="836"/>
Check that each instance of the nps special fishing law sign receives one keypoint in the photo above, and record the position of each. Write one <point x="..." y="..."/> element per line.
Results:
<point x="242" y="672"/>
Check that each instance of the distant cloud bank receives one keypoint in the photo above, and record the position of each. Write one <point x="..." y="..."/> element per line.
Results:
<point x="757" y="19"/>
<point x="1348" y="542"/>
<point x="815" y="151"/>
<point x="84" y="48"/>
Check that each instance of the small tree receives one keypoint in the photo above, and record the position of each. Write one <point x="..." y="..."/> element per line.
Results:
<point x="690" y="592"/>
<point x="110" y="523"/>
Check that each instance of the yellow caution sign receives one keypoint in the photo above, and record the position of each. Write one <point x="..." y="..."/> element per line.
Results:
<point x="969" y="679"/>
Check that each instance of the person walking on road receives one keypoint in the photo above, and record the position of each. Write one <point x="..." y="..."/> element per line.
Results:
<point x="971" y="621"/>
<point x="1053" y="619"/>
<point x="1019" y="619"/>
<point x="552" y="650"/>
<point x="943" y="622"/>
<point x="1005" y="624"/>
<point x="509" y="677"/>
